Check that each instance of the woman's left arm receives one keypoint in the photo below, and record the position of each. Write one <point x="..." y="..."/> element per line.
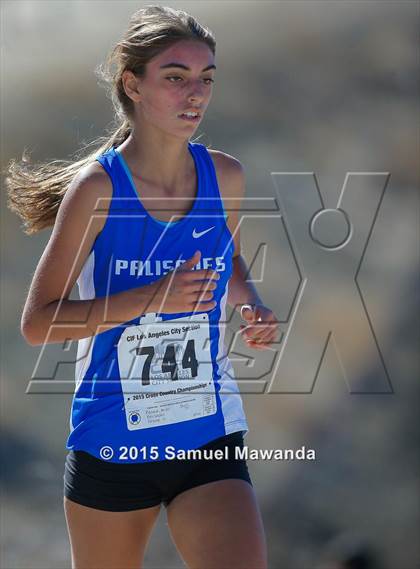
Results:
<point x="261" y="324"/>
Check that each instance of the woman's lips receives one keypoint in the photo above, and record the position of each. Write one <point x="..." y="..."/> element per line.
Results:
<point x="190" y="119"/>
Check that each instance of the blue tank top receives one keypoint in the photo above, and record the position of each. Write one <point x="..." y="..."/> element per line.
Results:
<point x="160" y="381"/>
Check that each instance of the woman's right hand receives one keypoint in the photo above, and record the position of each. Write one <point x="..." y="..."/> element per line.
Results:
<point x="184" y="289"/>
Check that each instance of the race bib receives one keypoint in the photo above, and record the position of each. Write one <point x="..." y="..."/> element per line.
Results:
<point x="166" y="371"/>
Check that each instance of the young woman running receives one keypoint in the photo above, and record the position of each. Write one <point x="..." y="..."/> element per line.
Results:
<point x="141" y="226"/>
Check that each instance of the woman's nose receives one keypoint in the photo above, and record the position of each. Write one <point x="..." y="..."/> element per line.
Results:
<point x="196" y="92"/>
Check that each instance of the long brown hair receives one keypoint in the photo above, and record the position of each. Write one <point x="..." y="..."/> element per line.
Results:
<point x="36" y="190"/>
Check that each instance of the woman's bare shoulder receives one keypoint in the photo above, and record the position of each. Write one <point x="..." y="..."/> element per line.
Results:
<point x="94" y="176"/>
<point x="92" y="183"/>
<point x="229" y="173"/>
<point x="88" y="194"/>
<point x="225" y="161"/>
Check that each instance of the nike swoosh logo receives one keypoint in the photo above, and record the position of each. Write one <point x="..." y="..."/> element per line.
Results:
<point x="197" y="234"/>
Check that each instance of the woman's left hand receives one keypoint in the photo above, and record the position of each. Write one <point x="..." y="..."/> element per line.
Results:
<point x="261" y="327"/>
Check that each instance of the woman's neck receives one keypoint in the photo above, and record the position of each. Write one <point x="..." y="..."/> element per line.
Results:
<point x="159" y="161"/>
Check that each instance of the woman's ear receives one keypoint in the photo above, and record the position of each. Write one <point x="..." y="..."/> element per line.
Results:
<point x="131" y="85"/>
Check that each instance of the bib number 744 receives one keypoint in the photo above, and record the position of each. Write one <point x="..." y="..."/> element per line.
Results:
<point x="169" y="362"/>
<point x="166" y="372"/>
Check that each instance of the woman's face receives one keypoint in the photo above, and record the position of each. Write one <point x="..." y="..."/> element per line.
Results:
<point x="178" y="80"/>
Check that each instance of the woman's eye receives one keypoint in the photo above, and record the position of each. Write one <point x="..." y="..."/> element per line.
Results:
<point x="175" y="78"/>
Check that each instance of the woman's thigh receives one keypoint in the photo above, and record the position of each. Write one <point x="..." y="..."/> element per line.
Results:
<point x="218" y="525"/>
<point x="108" y="540"/>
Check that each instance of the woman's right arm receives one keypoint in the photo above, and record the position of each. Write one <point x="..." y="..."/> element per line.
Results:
<point x="50" y="317"/>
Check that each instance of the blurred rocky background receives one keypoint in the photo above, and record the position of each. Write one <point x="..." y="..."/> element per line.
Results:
<point x="328" y="87"/>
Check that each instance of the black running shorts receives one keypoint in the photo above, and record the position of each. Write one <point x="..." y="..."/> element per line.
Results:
<point x="95" y="483"/>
